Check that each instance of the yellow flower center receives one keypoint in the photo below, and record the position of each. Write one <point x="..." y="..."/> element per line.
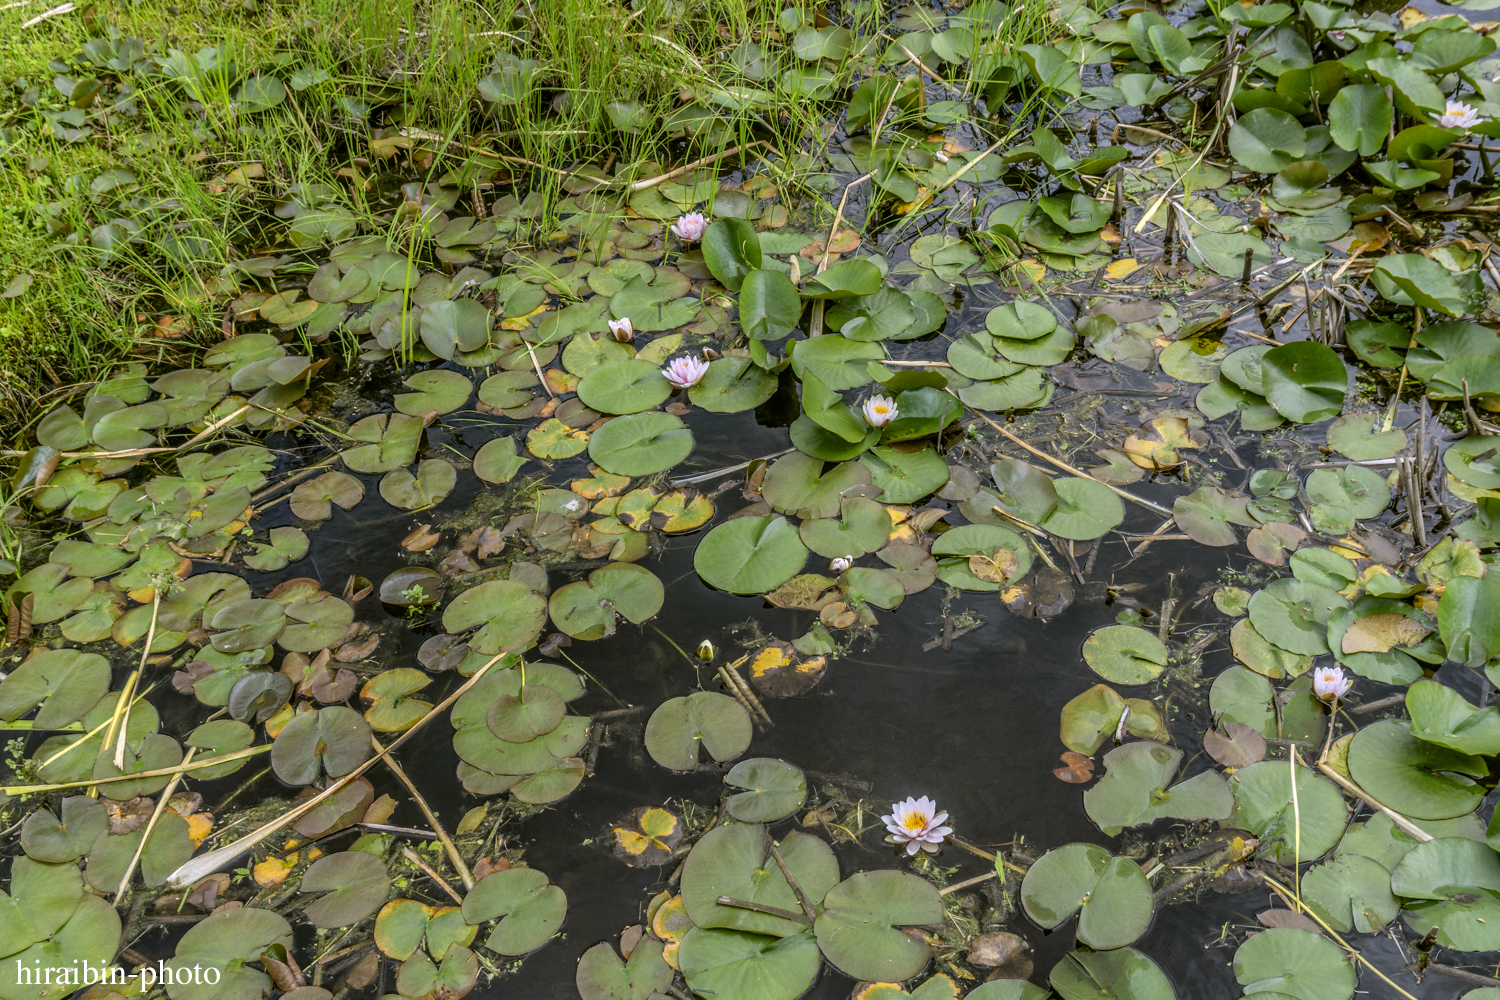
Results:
<point x="914" y="821"/>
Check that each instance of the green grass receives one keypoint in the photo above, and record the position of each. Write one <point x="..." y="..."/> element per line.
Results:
<point x="599" y="82"/>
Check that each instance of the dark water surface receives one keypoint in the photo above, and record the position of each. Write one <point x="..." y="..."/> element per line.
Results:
<point x="975" y="727"/>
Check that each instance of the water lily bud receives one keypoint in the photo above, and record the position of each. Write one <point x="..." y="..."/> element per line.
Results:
<point x="840" y="563"/>
<point x="706" y="651"/>
<point x="622" y="330"/>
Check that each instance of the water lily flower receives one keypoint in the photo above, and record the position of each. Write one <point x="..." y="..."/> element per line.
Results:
<point x="690" y="227"/>
<point x="1329" y="683"/>
<point x="880" y="410"/>
<point x="1459" y="115"/>
<point x="685" y="372"/>
<point x="840" y="563"/>
<point x="916" y="823"/>
<point x="622" y="330"/>
<point x="706" y="651"/>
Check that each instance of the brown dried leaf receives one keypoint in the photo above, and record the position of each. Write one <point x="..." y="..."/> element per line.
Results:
<point x="1272" y="543"/>
<point x="1237" y="745"/>
<point x="1079" y="769"/>
<point x="1288" y="918"/>
<point x="421" y="538"/>
<point x="996" y="948"/>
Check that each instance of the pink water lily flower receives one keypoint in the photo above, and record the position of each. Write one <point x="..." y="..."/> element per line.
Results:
<point x="690" y="228"/>
<point x="1459" y="115"/>
<point x="840" y="563"/>
<point x="685" y="372"/>
<point x="916" y="823"/>
<point x="622" y="330"/>
<point x="1330" y="683"/>
<point x="880" y="410"/>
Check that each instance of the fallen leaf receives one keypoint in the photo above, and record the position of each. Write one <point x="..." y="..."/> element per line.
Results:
<point x="1379" y="633"/>
<point x="1079" y="770"/>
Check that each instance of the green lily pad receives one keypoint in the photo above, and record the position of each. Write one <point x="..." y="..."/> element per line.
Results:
<point x="65" y="682"/>
<point x="587" y="610"/>
<point x="1296" y="963"/>
<point x="356" y="884"/>
<point x="497" y="460"/>
<point x="229" y="940"/>
<point x="750" y="555"/>
<point x="1110" y="895"/>
<point x="1415" y="778"/>
<point x="1086" y="509"/>
<point x="333" y="740"/>
<point x="678" y="725"/>
<point x="736" y="861"/>
<point x="1095" y="714"/>
<point x="530" y="910"/>
<point x="391" y="710"/>
<point x="1294" y="614"/>
<point x="1304" y="381"/>
<point x="1468" y="619"/>
<point x="392" y="437"/>
<point x="1125" y="654"/>
<point x="905" y="477"/>
<point x="641" y="444"/>
<point x="1134" y="789"/>
<point x="433" y="482"/>
<point x="1441" y="715"/>
<point x="1351" y="893"/>
<point x="509" y="614"/>
<point x="733" y="384"/>
<point x="1357" y="436"/>
<point x="1264" y="805"/>
<point x="602" y="976"/>
<point x="53" y="840"/>
<point x="858" y="930"/>
<point x="437" y="391"/>
<point x="1122" y="974"/>
<point x="733" y="965"/>
<point x="624" y="387"/>
<point x="772" y="790"/>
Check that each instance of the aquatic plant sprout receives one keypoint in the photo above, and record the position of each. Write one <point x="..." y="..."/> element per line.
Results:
<point x="686" y="372"/>
<point x="1459" y="115"/>
<point x="690" y="228"/>
<point x="1330" y="683"/>
<point x="917" y="824"/>
<point x="622" y="329"/>
<point x="880" y="410"/>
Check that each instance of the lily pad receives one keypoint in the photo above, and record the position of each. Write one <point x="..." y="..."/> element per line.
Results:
<point x="529" y="908"/>
<point x="641" y="444"/>
<point x="1415" y="778"/>
<point x="1125" y="654"/>
<point x="509" y="614"/>
<point x="773" y="790"/>
<point x="587" y="610"/>
<point x="859" y="929"/>
<point x="1303" y="826"/>
<point x="1110" y="895"/>
<point x="750" y="555"/>
<point x="1296" y="963"/>
<point x="1134" y="789"/>
<point x="676" y="728"/>
<point x="333" y="740"/>
<point x="356" y="884"/>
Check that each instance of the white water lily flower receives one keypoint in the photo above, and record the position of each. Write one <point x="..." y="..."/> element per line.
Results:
<point x="1330" y="683"/>
<point x="916" y="823"/>
<point x="1459" y="115"/>
<point x="685" y="372"/>
<point x="840" y="563"/>
<point x="690" y="227"/>
<point x="880" y="410"/>
<point x="622" y="330"/>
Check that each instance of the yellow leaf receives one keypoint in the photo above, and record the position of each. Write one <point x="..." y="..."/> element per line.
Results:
<point x="517" y="323"/>
<point x="200" y="825"/>
<point x="1379" y="633"/>
<point x="1033" y="267"/>
<point x="273" y="871"/>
